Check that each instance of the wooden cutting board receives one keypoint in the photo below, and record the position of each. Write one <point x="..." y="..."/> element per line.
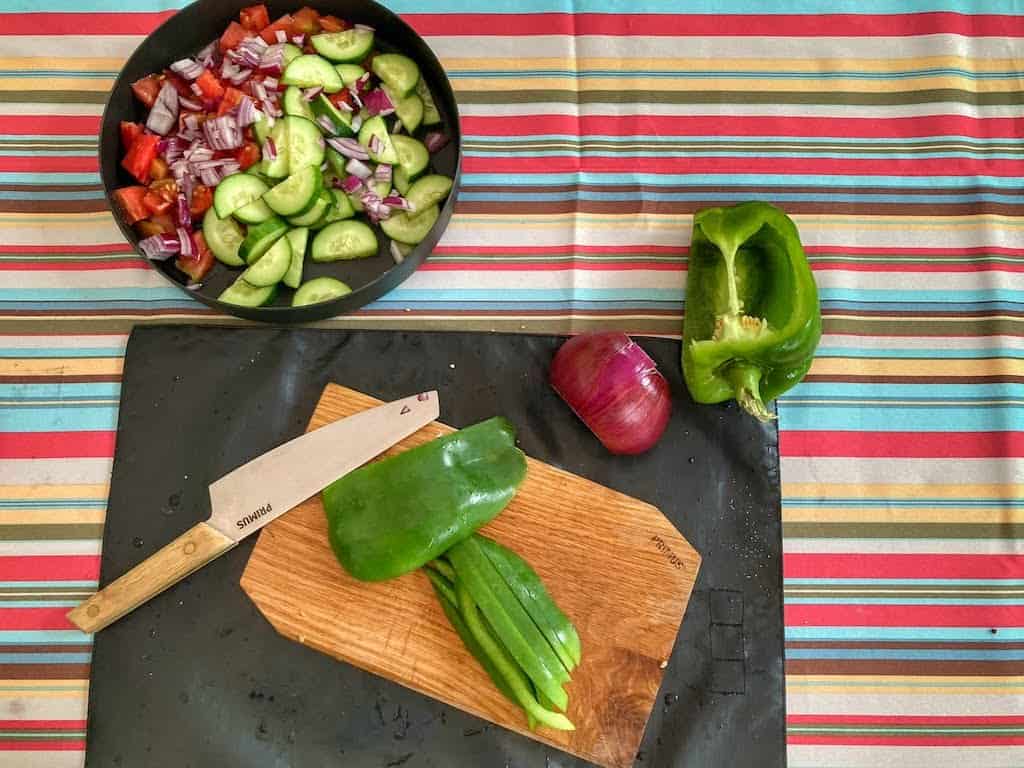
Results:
<point x="617" y="567"/>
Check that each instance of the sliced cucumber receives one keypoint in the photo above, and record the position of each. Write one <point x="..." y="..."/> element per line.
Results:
<point x="296" y="194"/>
<point x="255" y="212"/>
<point x="261" y="128"/>
<point x="236" y="191"/>
<point x="305" y="143"/>
<point x="309" y="70"/>
<point x="223" y="236"/>
<point x="340" y="119"/>
<point x="398" y="72"/>
<point x="294" y="104"/>
<point x="341" y="207"/>
<point x="245" y="295"/>
<point x="375" y="127"/>
<point x="344" y="240"/>
<point x="336" y="162"/>
<point x="319" y="289"/>
<point x="430" y="114"/>
<point x="278" y="167"/>
<point x="408" y="230"/>
<point x="400" y="179"/>
<point x="428" y="191"/>
<point x="271" y="266"/>
<point x="315" y="213"/>
<point x="411" y="155"/>
<point x="350" y="72"/>
<point x="291" y="53"/>
<point x="410" y="111"/>
<point x="260" y="238"/>
<point x="297" y="240"/>
<point x="348" y="45"/>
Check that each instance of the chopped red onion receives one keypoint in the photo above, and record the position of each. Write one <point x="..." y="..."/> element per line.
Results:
<point x="159" y="247"/>
<point x="358" y="168"/>
<point x="379" y="103"/>
<point x="435" y="141"/>
<point x="184" y="214"/>
<point x="270" y="149"/>
<point x="363" y="83"/>
<point x="349" y="148"/>
<point x="196" y="89"/>
<point x="189" y="69"/>
<point x="311" y="93"/>
<point x="326" y="124"/>
<point x="281" y="35"/>
<point x="223" y="132"/>
<point x="210" y="176"/>
<point x="187" y="187"/>
<point x="189" y="104"/>
<point x="299" y="40"/>
<point x="240" y="77"/>
<point x="180" y="169"/>
<point x="209" y="51"/>
<point x="185" y="238"/>
<point x="357" y="122"/>
<point x="365" y="28"/>
<point x="246" y="114"/>
<point x="355" y="96"/>
<point x="396" y="252"/>
<point x="260" y="90"/>
<point x="164" y="114"/>
<point x="382" y="173"/>
<point x="344" y="106"/>
<point x="351" y="184"/>
<point x="376" y="145"/>
<point x="270" y="83"/>
<point x="230" y="168"/>
<point x="396" y="201"/>
<point x="192" y="122"/>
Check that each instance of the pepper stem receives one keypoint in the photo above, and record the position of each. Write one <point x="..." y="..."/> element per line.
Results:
<point x="746" y="384"/>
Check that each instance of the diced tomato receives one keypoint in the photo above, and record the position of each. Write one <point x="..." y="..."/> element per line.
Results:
<point x="210" y="86"/>
<point x="158" y="169"/>
<point x="139" y="158"/>
<point x="147" y="89"/>
<point x="156" y="204"/>
<point x="197" y="265"/>
<point x="130" y="201"/>
<point x="202" y="199"/>
<point x="155" y="225"/>
<point x="233" y="35"/>
<point x="232" y="98"/>
<point x="129" y="131"/>
<point x="270" y="33"/>
<point x="248" y="155"/>
<point x="148" y="228"/>
<point x="305" y="21"/>
<point x="254" y="18"/>
<point x="333" y="24"/>
<point x="341" y="97"/>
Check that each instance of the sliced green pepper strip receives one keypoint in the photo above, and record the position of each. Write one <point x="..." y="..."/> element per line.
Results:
<point x="393" y="516"/>
<point x="506" y="665"/>
<point x="443" y="567"/>
<point x="752" y="315"/>
<point x="534" y="597"/>
<point x="449" y="604"/>
<point x="511" y="622"/>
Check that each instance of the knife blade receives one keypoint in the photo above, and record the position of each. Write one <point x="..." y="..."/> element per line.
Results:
<point x="255" y="494"/>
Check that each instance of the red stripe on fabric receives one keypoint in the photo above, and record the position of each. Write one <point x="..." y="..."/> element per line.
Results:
<point x="689" y="166"/>
<point x="81" y="23"/>
<point x="936" y="720"/>
<point x="57" y="125"/>
<point x="846" y="266"/>
<point x="897" y="566"/>
<point x="57" y="445"/>
<point x="34" y="618"/>
<point x="591" y="266"/>
<point x="41" y="725"/>
<point x="978" y="250"/>
<point x="905" y="741"/>
<point x="72" y="266"/>
<point x="42" y="164"/>
<point x="557" y="249"/>
<point x="921" y="445"/>
<point x="45" y="250"/>
<point x="40" y="745"/>
<point x="50" y="568"/>
<point x="715" y="25"/>
<point x="780" y="126"/>
<point x="807" y="615"/>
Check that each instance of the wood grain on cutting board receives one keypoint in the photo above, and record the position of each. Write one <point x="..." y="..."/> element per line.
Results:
<point x="617" y="567"/>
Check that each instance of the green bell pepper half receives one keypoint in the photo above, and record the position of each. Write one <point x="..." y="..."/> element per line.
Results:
<point x="752" y="315"/>
<point x="392" y="516"/>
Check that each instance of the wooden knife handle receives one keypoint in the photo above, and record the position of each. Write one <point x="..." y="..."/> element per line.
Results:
<point x="190" y="551"/>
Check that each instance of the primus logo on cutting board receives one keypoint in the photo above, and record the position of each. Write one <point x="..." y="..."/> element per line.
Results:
<point x="266" y="509"/>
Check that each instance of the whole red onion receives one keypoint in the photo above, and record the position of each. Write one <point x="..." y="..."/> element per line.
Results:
<point x="615" y="388"/>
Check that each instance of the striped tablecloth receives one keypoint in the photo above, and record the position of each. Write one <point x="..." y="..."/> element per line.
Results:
<point x="890" y="129"/>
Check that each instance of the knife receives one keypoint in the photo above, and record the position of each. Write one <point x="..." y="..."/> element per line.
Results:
<point x="246" y="499"/>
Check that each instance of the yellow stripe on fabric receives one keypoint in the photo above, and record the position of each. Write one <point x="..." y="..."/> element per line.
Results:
<point x="59" y="63"/>
<point x="897" y="514"/>
<point x="96" y="491"/>
<point x="48" y="516"/>
<point x="69" y="366"/>
<point x="99" y="83"/>
<point x="918" y="367"/>
<point x="902" y="491"/>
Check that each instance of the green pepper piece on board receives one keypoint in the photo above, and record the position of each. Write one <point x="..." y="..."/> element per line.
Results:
<point x="392" y="516"/>
<point x="752" y="315"/>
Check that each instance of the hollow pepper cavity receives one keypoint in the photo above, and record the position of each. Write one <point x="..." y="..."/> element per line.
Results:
<point x="752" y="315"/>
<point x="393" y="516"/>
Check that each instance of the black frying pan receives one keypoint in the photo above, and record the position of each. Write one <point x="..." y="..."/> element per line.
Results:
<point x="187" y="32"/>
